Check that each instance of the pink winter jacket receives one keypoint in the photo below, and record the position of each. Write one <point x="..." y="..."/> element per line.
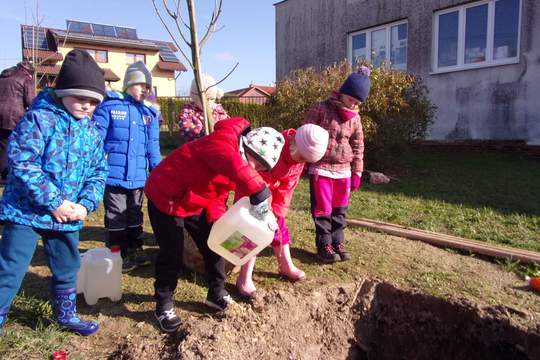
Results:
<point x="282" y="179"/>
<point x="346" y="143"/>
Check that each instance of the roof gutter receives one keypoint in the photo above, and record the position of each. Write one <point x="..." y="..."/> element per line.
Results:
<point x="104" y="41"/>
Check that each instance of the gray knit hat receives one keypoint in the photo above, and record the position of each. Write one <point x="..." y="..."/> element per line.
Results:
<point x="137" y="73"/>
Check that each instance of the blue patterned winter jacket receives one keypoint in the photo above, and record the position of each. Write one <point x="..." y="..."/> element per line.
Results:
<point x="52" y="157"/>
<point x="131" y="132"/>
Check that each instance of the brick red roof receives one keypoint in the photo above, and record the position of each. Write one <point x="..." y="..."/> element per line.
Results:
<point x="55" y="69"/>
<point x="48" y="69"/>
<point x="110" y="75"/>
<point x="42" y="55"/>
<point x="169" y="65"/>
<point x="267" y="90"/>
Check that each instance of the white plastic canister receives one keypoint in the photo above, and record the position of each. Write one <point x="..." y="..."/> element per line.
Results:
<point x="100" y="275"/>
<point x="238" y="236"/>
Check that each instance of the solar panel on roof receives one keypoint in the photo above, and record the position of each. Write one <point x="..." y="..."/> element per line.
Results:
<point x="101" y="30"/>
<point x="166" y="53"/>
<point x="104" y="30"/>
<point x="79" y="27"/>
<point x="35" y="38"/>
<point x="126" y="33"/>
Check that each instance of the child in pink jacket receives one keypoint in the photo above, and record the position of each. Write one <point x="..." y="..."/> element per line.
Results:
<point x="307" y="144"/>
<point x="340" y="170"/>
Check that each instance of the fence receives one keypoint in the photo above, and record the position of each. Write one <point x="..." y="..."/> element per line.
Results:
<point x="227" y="98"/>
<point x="253" y="109"/>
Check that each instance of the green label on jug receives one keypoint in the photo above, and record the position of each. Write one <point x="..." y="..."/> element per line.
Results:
<point x="238" y="245"/>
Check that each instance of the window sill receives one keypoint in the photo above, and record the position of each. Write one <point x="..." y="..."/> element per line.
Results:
<point x="512" y="61"/>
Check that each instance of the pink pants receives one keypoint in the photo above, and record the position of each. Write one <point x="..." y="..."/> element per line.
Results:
<point x="281" y="237"/>
<point x="329" y="201"/>
<point x="328" y="193"/>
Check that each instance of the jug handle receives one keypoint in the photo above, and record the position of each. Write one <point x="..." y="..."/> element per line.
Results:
<point x="272" y="223"/>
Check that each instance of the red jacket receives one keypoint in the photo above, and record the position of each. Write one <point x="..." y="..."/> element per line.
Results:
<point x="282" y="179"/>
<point x="200" y="174"/>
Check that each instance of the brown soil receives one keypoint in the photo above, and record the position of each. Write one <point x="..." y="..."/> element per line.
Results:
<point x="368" y="320"/>
<point x="396" y="299"/>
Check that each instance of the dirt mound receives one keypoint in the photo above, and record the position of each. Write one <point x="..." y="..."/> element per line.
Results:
<point x="278" y="325"/>
<point x="369" y="320"/>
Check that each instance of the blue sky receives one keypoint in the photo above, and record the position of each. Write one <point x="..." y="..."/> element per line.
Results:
<point x="247" y="36"/>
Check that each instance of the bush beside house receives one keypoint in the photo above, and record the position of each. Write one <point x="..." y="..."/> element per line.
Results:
<point x="396" y="113"/>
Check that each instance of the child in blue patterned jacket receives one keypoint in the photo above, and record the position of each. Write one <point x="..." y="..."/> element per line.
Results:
<point x="57" y="176"/>
<point x="130" y="129"/>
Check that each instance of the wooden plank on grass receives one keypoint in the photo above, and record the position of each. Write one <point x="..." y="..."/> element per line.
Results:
<point x="454" y="242"/>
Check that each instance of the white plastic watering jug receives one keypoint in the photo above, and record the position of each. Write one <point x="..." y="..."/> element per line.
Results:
<point x="238" y="236"/>
<point x="100" y="275"/>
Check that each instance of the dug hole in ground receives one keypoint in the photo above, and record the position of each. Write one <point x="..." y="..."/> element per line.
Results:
<point x="408" y="300"/>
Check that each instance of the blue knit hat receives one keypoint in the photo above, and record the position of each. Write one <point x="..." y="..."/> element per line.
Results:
<point x="357" y="85"/>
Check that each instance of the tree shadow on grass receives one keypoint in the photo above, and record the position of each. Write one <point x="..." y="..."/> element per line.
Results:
<point x="40" y="259"/>
<point x="36" y="290"/>
<point x="297" y="254"/>
<point x="99" y="233"/>
<point x="507" y="183"/>
<point x="303" y="256"/>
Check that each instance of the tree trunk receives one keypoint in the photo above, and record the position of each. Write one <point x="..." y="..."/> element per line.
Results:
<point x="196" y="60"/>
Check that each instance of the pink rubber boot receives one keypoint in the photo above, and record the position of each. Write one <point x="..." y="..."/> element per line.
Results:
<point x="285" y="264"/>
<point x="244" y="282"/>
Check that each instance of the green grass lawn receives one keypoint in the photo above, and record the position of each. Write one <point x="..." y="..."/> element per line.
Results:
<point x="488" y="197"/>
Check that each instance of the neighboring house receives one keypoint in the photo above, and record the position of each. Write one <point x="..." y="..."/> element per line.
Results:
<point x="479" y="59"/>
<point x="113" y="48"/>
<point x="253" y="94"/>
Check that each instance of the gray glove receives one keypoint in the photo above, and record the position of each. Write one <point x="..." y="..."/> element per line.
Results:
<point x="260" y="210"/>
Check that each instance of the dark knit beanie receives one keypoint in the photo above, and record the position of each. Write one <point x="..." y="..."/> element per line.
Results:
<point x="357" y="85"/>
<point x="80" y="76"/>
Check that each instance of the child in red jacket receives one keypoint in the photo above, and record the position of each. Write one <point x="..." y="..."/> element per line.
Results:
<point x="307" y="144"/>
<point x="188" y="190"/>
<point x="340" y="170"/>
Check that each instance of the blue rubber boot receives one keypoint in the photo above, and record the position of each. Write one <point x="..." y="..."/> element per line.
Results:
<point x="65" y="311"/>
<point x="3" y="318"/>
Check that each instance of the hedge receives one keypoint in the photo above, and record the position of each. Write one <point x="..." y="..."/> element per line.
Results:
<point x="257" y="114"/>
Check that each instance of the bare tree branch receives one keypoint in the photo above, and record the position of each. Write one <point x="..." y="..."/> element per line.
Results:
<point x="180" y="14"/>
<point x="175" y="17"/>
<point x="49" y="56"/>
<point x="212" y="26"/>
<point x="173" y="10"/>
<point x="223" y="79"/>
<point x="171" y="35"/>
<point x="195" y="53"/>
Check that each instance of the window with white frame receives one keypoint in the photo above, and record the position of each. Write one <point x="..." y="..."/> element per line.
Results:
<point x="380" y="44"/>
<point x="100" y="56"/>
<point x="132" y="58"/>
<point x="479" y="34"/>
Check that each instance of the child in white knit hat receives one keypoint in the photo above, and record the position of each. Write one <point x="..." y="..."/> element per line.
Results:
<point x="191" y="118"/>
<point x="307" y="144"/>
